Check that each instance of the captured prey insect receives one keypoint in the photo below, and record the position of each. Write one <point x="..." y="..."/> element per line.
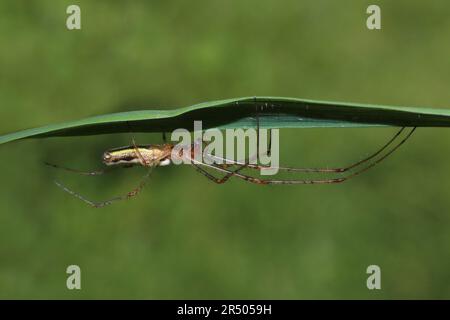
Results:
<point x="155" y="155"/>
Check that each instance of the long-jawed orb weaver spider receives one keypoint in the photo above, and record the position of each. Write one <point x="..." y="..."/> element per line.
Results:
<point x="155" y="155"/>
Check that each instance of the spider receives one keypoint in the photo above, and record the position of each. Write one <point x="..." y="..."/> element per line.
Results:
<point x="155" y="155"/>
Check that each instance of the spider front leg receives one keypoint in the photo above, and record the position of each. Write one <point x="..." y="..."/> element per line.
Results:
<point x="84" y="173"/>
<point x="100" y="204"/>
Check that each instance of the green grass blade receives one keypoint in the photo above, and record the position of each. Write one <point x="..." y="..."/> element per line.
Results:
<point x="274" y="112"/>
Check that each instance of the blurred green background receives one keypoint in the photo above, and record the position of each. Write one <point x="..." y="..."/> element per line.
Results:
<point x="185" y="237"/>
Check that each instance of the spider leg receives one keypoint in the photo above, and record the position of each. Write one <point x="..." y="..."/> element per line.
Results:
<point x="303" y="181"/>
<point x="100" y="204"/>
<point x="374" y="163"/>
<point x="210" y="176"/>
<point x="215" y="179"/>
<point x="322" y="170"/>
<point x="85" y="173"/>
<point x="142" y="160"/>
<point x="256" y="180"/>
